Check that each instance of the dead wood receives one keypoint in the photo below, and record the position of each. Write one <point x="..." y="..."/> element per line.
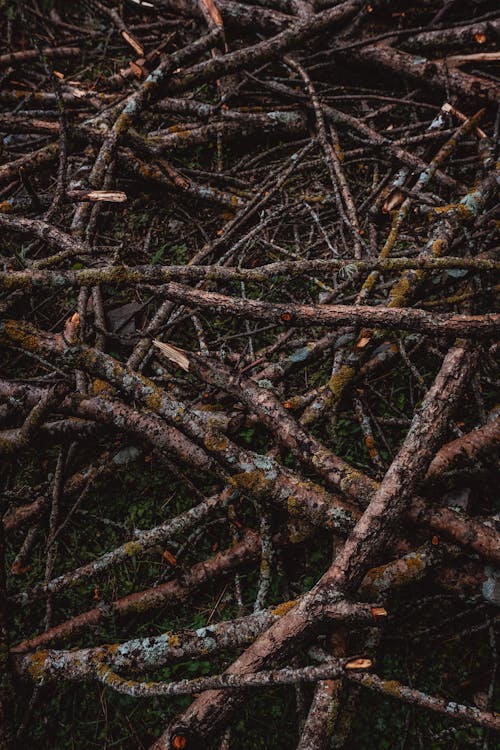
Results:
<point x="248" y="394"/>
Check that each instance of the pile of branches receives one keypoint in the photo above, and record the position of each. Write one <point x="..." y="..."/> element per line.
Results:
<point x="249" y="262"/>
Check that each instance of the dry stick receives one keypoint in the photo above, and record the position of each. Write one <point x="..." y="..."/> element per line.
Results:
<point x="482" y="537"/>
<point x="367" y="540"/>
<point x="120" y="25"/>
<point x="468" y="208"/>
<point x="432" y="73"/>
<point x="50" y="547"/>
<point x="67" y="245"/>
<point x="367" y="431"/>
<point x="209" y="112"/>
<point x="224" y="85"/>
<point x="84" y="296"/>
<point x="142" y="541"/>
<point x="266" y="559"/>
<point x="24" y="100"/>
<point x="153" y="652"/>
<point x="164" y="173"/>
<point x="423" y="180"/>
<point x="471" y="33"/>
<point x="29" y="163"/>
<point x="148" y="426"/>
<point x="252" y="472"/>
<point x="22" y="204"/>
<point x="447" y="324"/>
<point x="235" y="13"/>
<point x="144" y="344"/>
<point x="366" y="132"/>
<point x="257" y="203"/>
<point x="478" y="581"/>
<point x="167" y="594"/>
<point x="63" y="139"/>
<point x="310" y="451"/>
<point x="99" y="317"/>
<point x="67" y="430"/>
<point x="333" y="160"/>
<point x="32" y="55"/>
<point x="381" y="581"/>
<point x="228" y="681"/>
<point x="467" y="451"/>
<point x="143" y="654"/>
<point x="262" y="402"/>
<point x="125" y="276"/>
<point x="15" y="518"/>
<point x="394" y="689"/>
<point x="324" y="708"/>
<point x="128" y="115"/>
<point x="348" y="709"/>
<point x="280" y="122"/>
<point x="25" y="549"/>
<point x="13" y="441"/>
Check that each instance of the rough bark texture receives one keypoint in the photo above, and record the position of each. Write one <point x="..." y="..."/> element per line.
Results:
<point x="249" y="426"/>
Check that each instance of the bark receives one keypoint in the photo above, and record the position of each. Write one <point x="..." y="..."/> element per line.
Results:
<point x="432" y="73"/>
<point x="299" y="197"/>
<point x="220" y="565"/>
<point x="477" y="447"/>
<point x="368" y="539"/>
<point x="446" y="324"/>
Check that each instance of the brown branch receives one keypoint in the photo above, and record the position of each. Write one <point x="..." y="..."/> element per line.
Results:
<point x="368" y="538"/>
